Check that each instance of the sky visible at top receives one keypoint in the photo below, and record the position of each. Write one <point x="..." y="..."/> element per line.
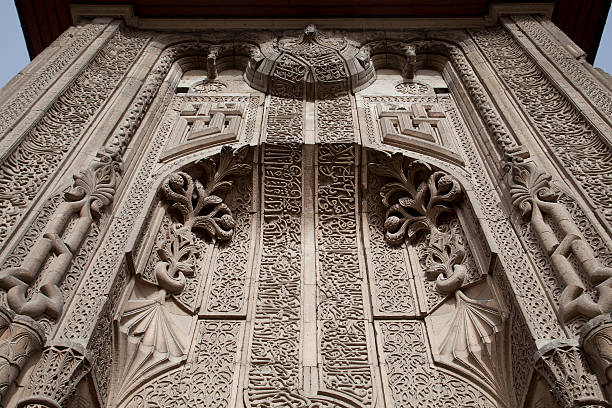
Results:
<point x="14" y="54"/>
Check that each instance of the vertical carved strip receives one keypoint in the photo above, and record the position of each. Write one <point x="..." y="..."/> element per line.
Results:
<point x="571" y="67"/>
<point x="227" y="291"/>
<point x="340" y="310"/>
<point x="390" y="278"/>
<point x="274" y="364"/>
<point x="17" y="104"/>
<point x="28" y="167"/>
<point x="579" y="147"/>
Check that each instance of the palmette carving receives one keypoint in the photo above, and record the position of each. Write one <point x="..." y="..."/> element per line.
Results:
<point x="538" y="202"/>
<point x="474" y="341"/>
<point x="151" y="339"/>
<point x="92" y="191"/>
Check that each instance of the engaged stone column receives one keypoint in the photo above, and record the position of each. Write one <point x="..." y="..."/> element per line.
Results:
<point x="563" y="364"/>
<point x="53" y="381"/>
<point x="21" y="338"/>
<point x="596" y="340"/>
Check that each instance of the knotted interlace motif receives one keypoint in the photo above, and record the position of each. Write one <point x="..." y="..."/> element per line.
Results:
<point x="91" y="193"/>
<point x="570" y="254"/>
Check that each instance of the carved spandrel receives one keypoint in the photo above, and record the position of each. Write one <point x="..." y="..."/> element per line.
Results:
<point x="153" y="330"/>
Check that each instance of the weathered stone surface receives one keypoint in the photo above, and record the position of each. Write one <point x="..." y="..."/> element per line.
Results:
<point x="315" y="218"/>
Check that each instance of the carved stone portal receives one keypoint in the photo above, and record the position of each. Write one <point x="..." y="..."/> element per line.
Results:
<point x="310" y="268"/>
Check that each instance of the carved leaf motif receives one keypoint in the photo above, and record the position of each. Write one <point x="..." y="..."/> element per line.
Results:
<point x="97" y="183"/>
<point x="177" y="260"/>
<point x="529" y="184"/>
<point x="475" y="341"/>
<point x="151" y="339"/>
<point x="417" y="198"/>
<point x="200" y="202"/>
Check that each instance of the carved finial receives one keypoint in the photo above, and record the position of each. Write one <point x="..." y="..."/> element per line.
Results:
<point x="211" y="62"/>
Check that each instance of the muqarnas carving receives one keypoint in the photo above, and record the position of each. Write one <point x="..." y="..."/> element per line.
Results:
<point x="469" y="327"/>
<point x="570" y="254"/>
<point x="153" y="330"/>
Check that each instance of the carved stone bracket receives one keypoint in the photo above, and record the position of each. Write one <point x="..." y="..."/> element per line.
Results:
<point x="417" y="200"/>
<point x="93" y="189"/>
<point x="538" y="201"/>
<point x="563" y="365"/>
<point x="56" y="376"/>
<point x="596" y="340"/>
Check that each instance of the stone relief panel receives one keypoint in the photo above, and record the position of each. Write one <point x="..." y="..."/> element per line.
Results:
<point x="207" y="377"/>
<point x="580" y="148"/>
<point x="201" y="260"/>
<point x="75" y="42"/>
<point x="274" y="349"/>
<point x="154" y="328"/>
<point x="411" y="379"/>
<point x="343" y="325"/>
<point x="569" y="66"/>
<point x="29" y="165"/>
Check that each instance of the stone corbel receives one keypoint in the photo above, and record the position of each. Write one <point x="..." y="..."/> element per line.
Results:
<point x="55" y="377"/>
<point x="563" y="365"/>
<point x="596" y="341"/>
<point x="538" y="201"/>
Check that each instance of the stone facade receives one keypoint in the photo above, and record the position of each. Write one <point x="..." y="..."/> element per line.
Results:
<point x="307" y="218"/>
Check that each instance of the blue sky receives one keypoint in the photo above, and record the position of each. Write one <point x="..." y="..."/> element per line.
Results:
<point x="15" y="54"/>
